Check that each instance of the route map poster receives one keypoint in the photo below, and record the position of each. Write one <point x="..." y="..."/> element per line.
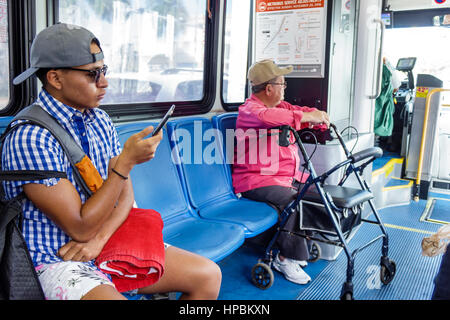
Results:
<point x="292" y="32"/>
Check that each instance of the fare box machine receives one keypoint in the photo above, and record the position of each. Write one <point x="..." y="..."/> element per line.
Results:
<point x="422" y="157"/>
<point x="404" y="102"/>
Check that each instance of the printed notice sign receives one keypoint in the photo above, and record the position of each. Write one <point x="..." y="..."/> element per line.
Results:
<point x="292" y="33"/>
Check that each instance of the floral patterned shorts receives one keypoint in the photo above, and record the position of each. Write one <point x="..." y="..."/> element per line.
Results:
<point x="70" y="280"/>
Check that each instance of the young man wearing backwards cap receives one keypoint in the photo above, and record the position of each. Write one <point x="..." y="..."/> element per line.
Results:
<point x="275" y="176"/>
<point x="63" y="229"/>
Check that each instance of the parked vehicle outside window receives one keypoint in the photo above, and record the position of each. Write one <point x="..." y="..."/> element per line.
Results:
<point x="155" y="49"/>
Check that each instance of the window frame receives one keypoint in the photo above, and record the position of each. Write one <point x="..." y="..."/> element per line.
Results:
<point x="151" y="110"/>
<point x="21" y="28"/>
<point x="233" y="107"/>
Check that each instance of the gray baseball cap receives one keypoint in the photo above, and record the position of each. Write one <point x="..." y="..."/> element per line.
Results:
<point x="61" y="46"/>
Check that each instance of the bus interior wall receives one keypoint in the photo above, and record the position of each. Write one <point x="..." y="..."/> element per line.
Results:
<point x="308" y="92"/>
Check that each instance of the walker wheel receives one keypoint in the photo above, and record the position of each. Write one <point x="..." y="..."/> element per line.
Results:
<point x="315" y="252"/>
<point x="387" y="271"/>
<point x="348" y="296"/>
<point x="347" y="291"/>
<point x="262" y="276"/>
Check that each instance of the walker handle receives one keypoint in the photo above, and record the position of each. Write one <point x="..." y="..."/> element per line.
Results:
<point x="375" y="152"/>
<point x="341" y="141"/>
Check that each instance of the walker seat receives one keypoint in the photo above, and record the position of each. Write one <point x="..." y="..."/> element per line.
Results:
<point x="343" y="197"/>
<point x="348" y="202"/>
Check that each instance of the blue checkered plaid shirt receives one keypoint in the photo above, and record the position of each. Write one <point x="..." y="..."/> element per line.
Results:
<point x="31" y="147"/>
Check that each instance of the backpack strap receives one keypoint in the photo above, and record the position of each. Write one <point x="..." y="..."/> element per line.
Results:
<point x="39" y="116"/>
<point x="27" y="175"/>
<point x="34" y="114"/>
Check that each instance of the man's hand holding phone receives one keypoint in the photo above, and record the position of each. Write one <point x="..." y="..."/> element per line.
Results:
<point x="139" y="149"/>
<point x="164" y="120"/>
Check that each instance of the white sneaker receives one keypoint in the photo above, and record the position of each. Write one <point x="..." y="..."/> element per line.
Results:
<point x="302" y="263"/>
<point x="291" y="270"/>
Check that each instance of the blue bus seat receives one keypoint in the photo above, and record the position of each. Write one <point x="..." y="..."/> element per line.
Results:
<point x="4" y="122"/>
<point x="226" y="124"/>
<point x="157" y="186"/>
<point x="203" y="169"/>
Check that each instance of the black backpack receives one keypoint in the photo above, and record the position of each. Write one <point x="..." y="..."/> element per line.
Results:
<point x="18" y="278"/>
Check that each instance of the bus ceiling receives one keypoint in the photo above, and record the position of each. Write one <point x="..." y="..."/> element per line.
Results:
<point x="402" y="5"/>
<point x="417" y="13"/>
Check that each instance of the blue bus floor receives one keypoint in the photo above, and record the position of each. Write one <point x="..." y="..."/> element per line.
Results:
<point x="438" y="208"/>
<point x="413" y="280"/>
<point x="237" y="283"/>
<point x="381" y="162"/>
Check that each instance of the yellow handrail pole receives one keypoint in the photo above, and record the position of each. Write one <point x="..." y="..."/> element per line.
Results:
<point x="424" y="137"/>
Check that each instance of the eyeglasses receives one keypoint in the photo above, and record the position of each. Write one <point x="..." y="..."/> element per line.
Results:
<point x="95" y="74"/>
<point x="284" y="84"/>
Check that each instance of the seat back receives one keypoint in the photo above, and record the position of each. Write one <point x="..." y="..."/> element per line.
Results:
<point x="200" y="160"/>
<point x="4" y="122"/>
<point x="226" y="124"/>
<point x="156" y="183"/>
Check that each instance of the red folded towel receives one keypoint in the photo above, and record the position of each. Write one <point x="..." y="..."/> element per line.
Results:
<point x="134" y="255"/>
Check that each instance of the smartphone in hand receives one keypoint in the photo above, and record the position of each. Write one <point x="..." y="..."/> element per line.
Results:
<point x="164" y="120"/>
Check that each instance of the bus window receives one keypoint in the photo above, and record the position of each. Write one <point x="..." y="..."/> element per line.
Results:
<point x="4" y="55"/>
<point x="155" y="50"/>
<point x="235" y="50"/>
<point x="431" y="46"/>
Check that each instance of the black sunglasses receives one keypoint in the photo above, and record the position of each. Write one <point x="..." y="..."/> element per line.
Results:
<point x="92" y="73"/>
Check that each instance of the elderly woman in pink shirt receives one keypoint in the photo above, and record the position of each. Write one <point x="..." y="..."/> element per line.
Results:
<point x="265" y="171"/>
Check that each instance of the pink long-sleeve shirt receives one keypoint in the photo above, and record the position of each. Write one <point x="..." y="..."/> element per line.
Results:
<point x="259" y="160"/>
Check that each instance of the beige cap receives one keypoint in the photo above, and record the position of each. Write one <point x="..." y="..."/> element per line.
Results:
<point x="265" y="70"/>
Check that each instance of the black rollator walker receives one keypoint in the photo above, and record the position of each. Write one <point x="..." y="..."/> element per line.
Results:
<point x="330" y="211"/>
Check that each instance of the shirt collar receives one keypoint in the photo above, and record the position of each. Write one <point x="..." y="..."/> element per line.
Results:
<point x="254" y="98"/>
<point x="61" y="111"/>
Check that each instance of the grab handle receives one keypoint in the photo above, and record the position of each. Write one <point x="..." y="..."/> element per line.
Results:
<point x="379" y="73"/>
